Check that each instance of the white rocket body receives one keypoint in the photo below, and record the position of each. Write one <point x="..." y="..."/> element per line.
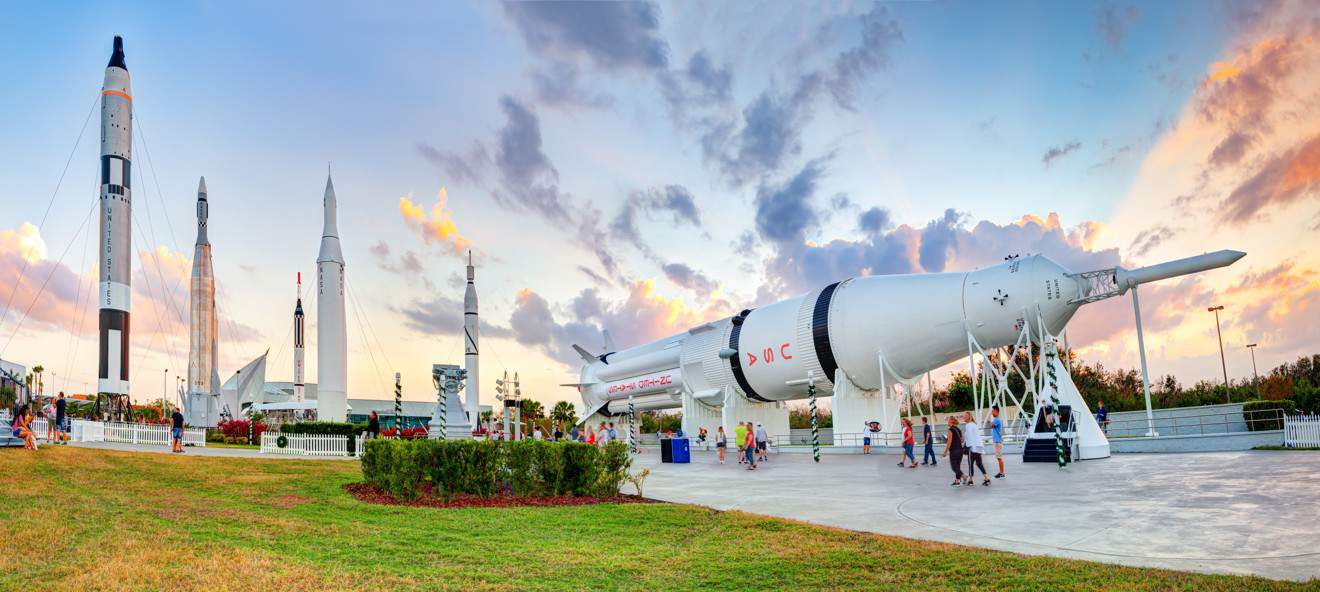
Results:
<point x="116" y="242"/>
<point x="470" y="351"/>
<point x="203" y="372"/>
<point x="299" y="386"/>
<point x="331" y="327"/>
<point x="915" y="323"/>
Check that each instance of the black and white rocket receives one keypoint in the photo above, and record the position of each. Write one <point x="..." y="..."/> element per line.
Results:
<point x="298" y="385"/>
<point x="203" y="368"/>
<point x="116" y="244"/>
<point x="331" y="328"/>
<point x="470" y="331"/>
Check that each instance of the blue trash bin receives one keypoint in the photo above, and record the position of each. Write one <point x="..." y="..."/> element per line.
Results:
<point x="681" y="452"/>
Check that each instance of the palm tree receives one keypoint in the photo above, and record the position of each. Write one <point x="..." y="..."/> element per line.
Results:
<point x="37" y="370"/>
<point x="531" y="409"/>
<point x="486" y="417"/>
<point x="564" y="413"/>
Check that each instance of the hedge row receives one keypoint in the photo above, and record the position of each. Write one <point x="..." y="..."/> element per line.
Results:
<point x="488" y="468"/>
<point x="327" y="428"/>
<point x="1258" y="417"/>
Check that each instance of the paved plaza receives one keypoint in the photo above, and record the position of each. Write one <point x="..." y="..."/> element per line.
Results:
<point x="1252" y="512"/>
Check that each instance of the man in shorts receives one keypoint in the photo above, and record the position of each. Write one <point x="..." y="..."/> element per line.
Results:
<point x="740" y="436"/>
<point x="997" y="436"/>
<point x="62" y="419"/>
<point x="176" y="431"/>
<point x="762" y="443"/>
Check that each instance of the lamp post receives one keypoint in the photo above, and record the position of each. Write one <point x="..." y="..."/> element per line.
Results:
<point x="1255" y="377"/>
<point x="1215" y="309"/>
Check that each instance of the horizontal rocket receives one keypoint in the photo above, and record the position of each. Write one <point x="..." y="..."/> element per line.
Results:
<point x="914" y="323"/>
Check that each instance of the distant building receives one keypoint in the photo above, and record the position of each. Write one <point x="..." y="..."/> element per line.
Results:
<point x="14" y="376"/>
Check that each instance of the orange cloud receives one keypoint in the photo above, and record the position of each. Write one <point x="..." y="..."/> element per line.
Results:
<point x="439" y="226"/>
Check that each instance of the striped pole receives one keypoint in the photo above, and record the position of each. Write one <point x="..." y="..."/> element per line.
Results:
<point x="398" y="406"/>
<point x="1054" y="408"/>
<point x="815" y="429"/>
<point x="632" y="425"/>
<point x="444" y="415"/>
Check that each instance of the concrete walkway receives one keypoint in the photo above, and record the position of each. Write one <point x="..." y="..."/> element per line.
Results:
<point x="1225" y="512"/>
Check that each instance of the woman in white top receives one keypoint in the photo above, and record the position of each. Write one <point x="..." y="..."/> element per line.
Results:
<point x="975" y="447"/>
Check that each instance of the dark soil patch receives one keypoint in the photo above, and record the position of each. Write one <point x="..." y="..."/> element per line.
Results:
<point x="366" y="492"/>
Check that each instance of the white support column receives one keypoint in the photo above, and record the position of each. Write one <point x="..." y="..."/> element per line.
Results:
<point x="736" y="408"/>
<point x="853" y="407"/>
<point x="1145" y="374"/>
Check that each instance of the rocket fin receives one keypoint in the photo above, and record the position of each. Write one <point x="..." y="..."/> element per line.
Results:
<point x="609" y="341"/>
<point x="586" y="355"/>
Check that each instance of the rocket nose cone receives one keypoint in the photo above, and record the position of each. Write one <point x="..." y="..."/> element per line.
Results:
<point x="201" y="189"/>
<point x="117" y="58"/>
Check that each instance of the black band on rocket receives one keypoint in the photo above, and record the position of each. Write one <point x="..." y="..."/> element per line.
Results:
<point x="735" y="363"/>
<point x="820" y="332"/>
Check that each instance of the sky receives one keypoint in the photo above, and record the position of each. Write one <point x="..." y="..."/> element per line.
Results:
<point x="644" y="167"/>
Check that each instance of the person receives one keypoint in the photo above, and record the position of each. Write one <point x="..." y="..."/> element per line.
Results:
<point x="908" y="443"/>
<point x="536" y="433"/>
<point x="20" y="427"/>
<point x="591" y="435"/>
<point x="48" y="414"/>
<point x="953" y="448"/>
<point x="868" y="431"/>
<point x="701" y="437"/>
<point x="176" y="431"/>
<point x="749" y="445"/>
<point x="975" y="448"/>
<point x="1102" y="416"/>
<point x="62" y="419"/>
<point x="762" y="443"/>
<point x="373" y="427"/>
<point x="559" y="432"/>
<point x="997" y="437"/>
<point x="603" y="436"/>
<point x="740" y="436"/>
<point x="929" y="441"/>
<point x="613" y="434"/>
<point x="721" y="442"/>
<point x="573" y="434"/>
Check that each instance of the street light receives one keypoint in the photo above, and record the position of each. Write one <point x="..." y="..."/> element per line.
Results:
<point x="1222" y="363"/>
<point x="1255" y="377"/>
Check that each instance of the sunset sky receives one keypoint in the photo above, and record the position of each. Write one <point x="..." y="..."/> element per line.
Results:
<point x="645" y="167"/>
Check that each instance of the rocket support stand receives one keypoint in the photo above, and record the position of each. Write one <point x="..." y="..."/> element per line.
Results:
<point x="736" y="408"/>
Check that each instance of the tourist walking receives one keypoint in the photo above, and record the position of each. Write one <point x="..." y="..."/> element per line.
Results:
<point x="536" y="433"/>
<point x="591" y="435"/>
<point x="62" y="419"/>
<point x="749" y="445"/>
<point x="997" y="437"/>
<point x="908" y="443"/>
<point x="975" y="448"/>
<point x="48" y="414"/>
<point x="613" y="434"/>
<point x="1102" y="416"/>
<point x="869" y="430"/>
<point x="928" y="440"/>
<point x="373" y="426"/>
<point x="603" y="436"/>
<point x="176" y="431"/>
<point x="740" y="436"/>
<point x="559" y="432"/>
<point x="721" y="442"/>
<point x="701" y="438"/>
<point x="762" y="443"/>
<point x="953" y="448"/>
<point x="573" y="434"/>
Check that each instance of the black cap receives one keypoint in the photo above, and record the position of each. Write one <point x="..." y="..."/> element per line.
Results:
<point x="117" y="58"/>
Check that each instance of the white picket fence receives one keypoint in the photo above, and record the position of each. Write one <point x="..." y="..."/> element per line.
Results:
<point x="1301" y="431"/>
<point x="309" y="445"/>
<point x="81" y="430"/>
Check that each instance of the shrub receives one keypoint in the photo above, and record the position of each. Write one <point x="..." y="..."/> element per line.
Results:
<point x="533" y="468"/>
<point x="1260" y="416"/>
<point x="327" y="428"/>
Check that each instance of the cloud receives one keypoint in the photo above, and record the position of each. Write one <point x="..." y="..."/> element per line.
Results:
<point x="23" y="251"/>
<point x="768" y="133"/>
<point x="937" y="240"/>
<point x="1113" y="23"/>
<point x="1281" y="180"/>
<point x="686" y="277"/>
<point x="599" y="279"/>
<point x="785" y="213"/>
<point x="559" y="85"/>
<point x="701" y="85"/>
<point x="674" y="200"/>
<point x="469" y="168"/>
<point x="440" y="315"/>
<point x="610" y="35"/>
<point x="1150" y="238"/>
<point x="1057" y="152"/>
<point x="527" y="174"/>
<point x="874" y="221"/>
<point x="439" y="227"/>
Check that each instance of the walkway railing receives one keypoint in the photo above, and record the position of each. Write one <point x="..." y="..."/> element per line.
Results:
<point x="1301" y="431"/>
<point x="1172" y="422"/>
<point x="307" y="444"/>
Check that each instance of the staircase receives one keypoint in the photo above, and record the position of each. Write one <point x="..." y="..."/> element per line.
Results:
<point x="1040" y="446"/>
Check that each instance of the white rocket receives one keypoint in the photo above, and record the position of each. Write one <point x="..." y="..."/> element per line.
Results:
<point x="470" y="331"/>
<point x="203" y="371"/>
<point x="856" y="335"/>
<point x="331" y="328"/>
<point x="116" y="243"/>
<point x="298" y="385"/>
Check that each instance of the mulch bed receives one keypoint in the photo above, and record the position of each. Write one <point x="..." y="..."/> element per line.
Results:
<point x="366" y="492"/>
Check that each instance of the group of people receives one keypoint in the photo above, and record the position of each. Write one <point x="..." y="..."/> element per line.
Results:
<point x="596" y="436"/>
<point x="965" y="441"/>
<point x="752" y="440"/>
<point x="55" y="413"/>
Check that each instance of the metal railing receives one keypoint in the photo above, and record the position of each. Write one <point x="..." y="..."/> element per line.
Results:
<point x="1014" y="432"/>
<point x="1176" y="423"/>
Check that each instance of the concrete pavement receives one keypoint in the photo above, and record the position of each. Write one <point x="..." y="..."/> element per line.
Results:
<point x="1253" y="512"/>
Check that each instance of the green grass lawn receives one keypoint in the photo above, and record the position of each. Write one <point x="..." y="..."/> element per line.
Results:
<point x="81" y="519"/>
